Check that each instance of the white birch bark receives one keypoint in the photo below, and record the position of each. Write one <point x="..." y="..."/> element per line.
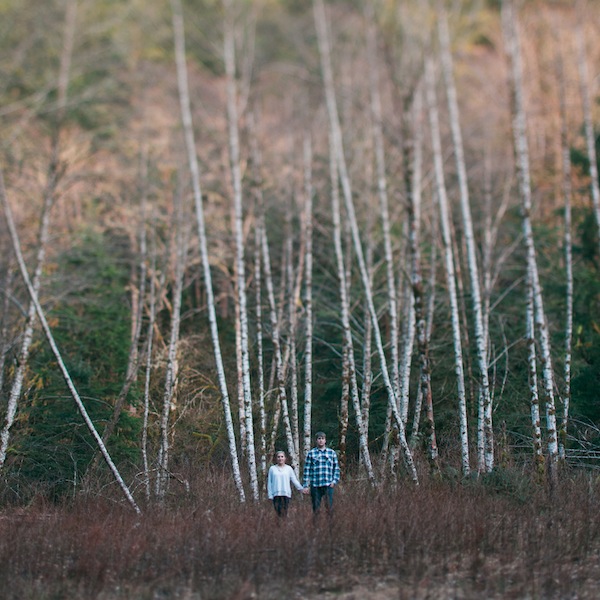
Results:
<point x="149" y="349"/>
<point x="521" y="147"/>
<point x="534" y="398"/>
<point x="336" y="141"/>
<point x="440" y="187"/>
<point x="568" y="249"/>
<point x="256" y="164"/>
<point x="349" y="366"/>
<point x="485" y="446"/>
<point x="6" y="342"/>
<point x="27" y="336"/>
<point x="172" y="364"/>
<point x="377" y="134"/>
<point x="236" y="176"/>
<point x="308" y="297"/>
<point x="48" y="333"/>
<point x="282" y="402"/>
<point x="186" y="117"/>
<point x="262" y="415"/>
<point x="416" y="279"/>
<point x="590" y="137"/>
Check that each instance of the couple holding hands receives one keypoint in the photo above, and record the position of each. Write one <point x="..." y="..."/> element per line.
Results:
<point x="321" y="474"/>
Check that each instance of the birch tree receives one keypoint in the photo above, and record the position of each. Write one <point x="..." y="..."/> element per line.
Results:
<point x="440" y="192"/>
<point x="349" y="365"/>
<point x="336" y="141"/>
<point x="308" y="295"/>
<point x="172" y="367"/>
<point x="521" y="149"/>
<point x="186" y="117"/>
<point x="590" y="137"/>
<point x="568" y="249"/>
<point x="485" y="442"/>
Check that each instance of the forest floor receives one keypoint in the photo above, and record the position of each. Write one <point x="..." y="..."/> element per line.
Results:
<point x="495" y="539"/>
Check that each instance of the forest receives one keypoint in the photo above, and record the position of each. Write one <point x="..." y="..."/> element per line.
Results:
<point x="229" y="224"/>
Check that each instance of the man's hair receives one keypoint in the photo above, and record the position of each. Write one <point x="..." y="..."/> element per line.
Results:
<point x="320" y="434"/>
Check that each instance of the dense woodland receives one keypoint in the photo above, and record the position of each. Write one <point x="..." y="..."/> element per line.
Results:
<point x="227" y="225"/>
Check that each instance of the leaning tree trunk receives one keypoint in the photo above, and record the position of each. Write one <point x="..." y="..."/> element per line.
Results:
<point x="448" y="260"/>
<point x="186" y="117"/>
<point x="236" y="176"/>
<point x="377" y="134"/>
<point x="336" y="140"/>
<point x="48" y="333"/>
<point x="349" y="365"/>
<point x="485" y="446"/>
<point x="521" y="150"/>
<point x="54" y="174"/>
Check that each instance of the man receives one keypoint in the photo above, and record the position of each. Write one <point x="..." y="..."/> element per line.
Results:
<point x="321" y="474"/>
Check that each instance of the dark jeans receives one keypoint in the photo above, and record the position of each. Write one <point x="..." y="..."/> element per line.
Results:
<point x="281" y="504"/>
<point x="319" y="493"/>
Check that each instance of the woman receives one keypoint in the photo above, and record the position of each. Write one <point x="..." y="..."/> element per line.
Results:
<point x="278" y="484"/>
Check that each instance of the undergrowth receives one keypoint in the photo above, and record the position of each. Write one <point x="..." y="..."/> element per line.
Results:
<point x="440" y="539"/>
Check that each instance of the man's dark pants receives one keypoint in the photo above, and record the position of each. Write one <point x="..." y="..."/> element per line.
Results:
<point x="317" y="494"/>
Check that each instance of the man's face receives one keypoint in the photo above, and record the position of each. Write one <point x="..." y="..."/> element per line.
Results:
<point x="321" y="441"/>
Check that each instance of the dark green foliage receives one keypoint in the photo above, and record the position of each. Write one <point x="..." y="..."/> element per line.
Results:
<point x="91" y="325"/>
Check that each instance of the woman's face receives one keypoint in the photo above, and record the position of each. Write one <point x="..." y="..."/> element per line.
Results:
<point x="280" y="458"/>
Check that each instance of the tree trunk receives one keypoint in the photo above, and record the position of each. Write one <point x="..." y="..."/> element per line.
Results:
<point x="186" y="117"/>
<point x="336" y="141"/>
<point x="440" y="190"/>
<point x="522" y="162"/>
<point x="48" y="333"/>
<point x="480" y="342"/>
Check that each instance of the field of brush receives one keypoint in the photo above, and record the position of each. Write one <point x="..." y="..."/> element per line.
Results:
<point x="502" y="537"/>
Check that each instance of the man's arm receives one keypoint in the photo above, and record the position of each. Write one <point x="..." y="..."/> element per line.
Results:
<point x="307" y="469"/>
<point x="336" y="468"/>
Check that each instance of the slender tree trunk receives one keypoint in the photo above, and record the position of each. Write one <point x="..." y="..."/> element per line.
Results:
<point x="336" y="140"/>
<point x="448" y="261"/>
<point x="480" y="341"/>
<point x="533" y="380"/>
<point x="186" y="117"/>
<point x="48" y="333"/>
<point x="418" y="292"/>
<point x="149" y="349"/>
<point x="590" y="137"/>
<point x="308" y="302"/>
<point x="349" y="381"/>
<point x="282" y="402"/>
<point x="172" y="363"/>
<point x="377" y="134"/>
<point x="256" y="164"/>
<point x="5" y="343"/>
<point x="523" y="172"/>
<point x="236" y="176"/>
<point x="568" y="247"/>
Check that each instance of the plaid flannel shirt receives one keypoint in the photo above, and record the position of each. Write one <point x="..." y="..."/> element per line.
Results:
<point x="321" y="468"/>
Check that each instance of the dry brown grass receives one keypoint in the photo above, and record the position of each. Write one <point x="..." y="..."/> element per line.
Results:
<point x="496" y="539"/>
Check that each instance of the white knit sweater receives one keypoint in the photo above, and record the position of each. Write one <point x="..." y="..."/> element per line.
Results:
<point x="278" y="483"/>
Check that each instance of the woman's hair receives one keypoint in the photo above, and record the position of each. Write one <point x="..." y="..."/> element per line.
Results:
<point x="276" y="453"/>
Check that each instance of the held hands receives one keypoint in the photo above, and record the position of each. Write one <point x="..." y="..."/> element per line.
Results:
<point x="306" y="491"/>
